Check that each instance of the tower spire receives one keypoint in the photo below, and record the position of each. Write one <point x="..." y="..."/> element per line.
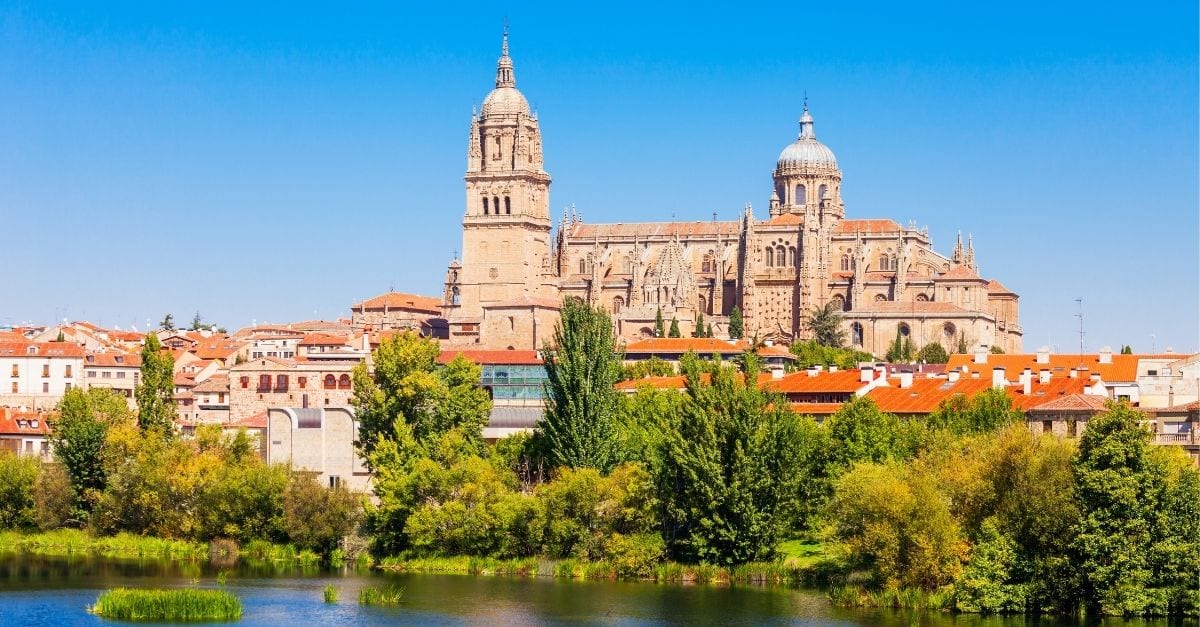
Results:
<point x="504" y="67"/>
<point x="806" y="122"/>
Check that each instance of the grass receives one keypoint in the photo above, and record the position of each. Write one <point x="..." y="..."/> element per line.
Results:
<point x="67" y="542"/>
<point x="801" y="552"/>
<point x="330" y="593"/>
<point x="895" y="598"/>
<point x="386" y="595"/>
<point x="177" y="604"/>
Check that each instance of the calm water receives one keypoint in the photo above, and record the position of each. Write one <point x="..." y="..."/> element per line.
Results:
<point x="53" y="591"/>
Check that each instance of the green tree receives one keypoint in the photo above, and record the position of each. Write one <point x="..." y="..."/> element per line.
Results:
<point x="54" y="498"/>
<point x="708" y="332"/>
<point x="653" y="367"/>
<point x="407" y="384"/>
<point x="986" y="412"/>
<point x="895" y="352"/>
<point x="736" y="462"/>
<point x="996" y="350"/>
<point x="581" y="404"/>
<point x="168" y="323"/>
<point x="933" y="353"/>
<point x="859" y="431"/>
<point x="77" y="435"/>
<point x="961" y="347"/>
<point x="60" y="337"/>
<point x="698" y="329"/>
<point x="1119" y="488"/>
<point x="156" y="393"/>
<point x="318" y="518"/>
<point x="1126" y="350"/>
<point x="18" y="474"/>
<point x="811" y="353"/>
<point x="197" y="322"/>
<point x="735" y="324"/>
<point x="660" y="329"/>
<point x="674" y="331"/>
<point x="825" y="324"/>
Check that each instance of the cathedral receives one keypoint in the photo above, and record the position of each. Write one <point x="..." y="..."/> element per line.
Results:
<point x="884" y="278"/>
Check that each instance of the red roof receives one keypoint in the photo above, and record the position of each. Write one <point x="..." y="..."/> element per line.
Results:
<point x="959" y="273"/>
<point x="1074" y="402"/>
<point x="840" y="382"/>
<point x="924" y="395"/>
<point x="114" y="360"/>
<point x="786" y="219"/>
<point x="866" y="226"/>
<point x="402" y="301"/>
<point x="321" y="339"/>
<point x="699" y="345"/>
<point x="494" y="357"/>
<point x="257" y="421"/>
<point x="995" y="287"/>
<point x="1122" y="369"/>
<point x="13" y="422"/>
<point x="41" y="349"/>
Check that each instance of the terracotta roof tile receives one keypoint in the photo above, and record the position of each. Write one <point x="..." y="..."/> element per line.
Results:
<point x="13" y="422"/>
<point x="959" y="273"/>
<point x="924" y="395"/>
<point x="995" y="287"/>
<point x="256" y="421"/>
<point x="42" y="349"/>
<point x="1073" y="402"/>
<point x="321" y="339"/>
<point x="874" y="225"/>
<point x="1123" y="368"/>
<point x="113" y="360"/>
<point x="786" y="219"/>
<point x="699" y="345"/>
<point x="494" y="357"/>
<point x="840" y="382"/>
<point x="400" y="300"/>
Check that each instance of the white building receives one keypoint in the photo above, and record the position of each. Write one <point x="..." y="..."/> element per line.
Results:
<point x="37" y="374"/>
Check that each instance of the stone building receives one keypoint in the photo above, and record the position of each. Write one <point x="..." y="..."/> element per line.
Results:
<point x="885" y="278"/>
<point x="269" y="382"/>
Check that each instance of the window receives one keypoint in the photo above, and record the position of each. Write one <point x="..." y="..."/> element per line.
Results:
<point x="1047" y="426"/>
<point x="507" y="206"/>
<point x="301" y="382"/>
<point x="281" y="383"/>
<point x="496" y="204"/>
<point x="45" y="370"/>
<point x="107" y="374"/>
<point x="245" y="382"/>
<point x="792" y="256"/>
<point x="330" y="382"/>
<point x="92" y="374"/>
<point x="14" y="387"/>
<point x="903" y="329"/>
<point x="949" y="331"/>
<point x="68" y="373"/>
<point x="46" y="387"/>
<point x="845" y="263"/>
<point x="335" y="481"/>
<point x="856" y="334"/>
<point x="582" y="266"/>
<point x="617" y="304"/>
<point x="781" y="255"/>
<point x="485" y="205"/>
<point x="883" y="261"/>
<point x="801" y="195"/>
<point x="344" y="382"/>
<point x="264" y="383"/>
<point x="220" y="398"/>
<point x="839" y="302"/>
<point x="707" y="264"/>
<point x="16" y="370"/>
<point x="1071" y="427"/>
<point x="821" y="192"/>
<point x="770" y="256"/>
<point x="454" y="295"/>
<point x="120" y="374"/>
<point x="68" y="385"/>
<point x="701" y="305"/>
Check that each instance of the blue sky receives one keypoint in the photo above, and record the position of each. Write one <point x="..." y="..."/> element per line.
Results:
<point x="279" y="162"/>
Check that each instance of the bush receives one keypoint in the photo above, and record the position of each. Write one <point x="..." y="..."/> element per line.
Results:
<point x="17" y="477"/>
<point x="54" y="498"/>
<point x="317" y="518"/>
<point x="635" y="556"/>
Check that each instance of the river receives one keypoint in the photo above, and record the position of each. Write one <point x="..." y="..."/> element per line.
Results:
<point x="56" y="591"/>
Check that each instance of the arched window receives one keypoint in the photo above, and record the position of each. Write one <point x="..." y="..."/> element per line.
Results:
<point x="707" y="264"/>
<point x="496" y="154"/>
<point x="485" y="205"/>
<point x="903" y="329"/>
<point x="821" y="192"/>
<point x="856" y="334"/>
<point x="582" y="265"/>
<point x="628" y="265"/>
<point x="781" y="255"/>
<point x="344" y="382"/>
<point x="894" y="264"/>
<point x="845" y="263"/>
<point x="701" y="304"/>
<point x="879" y="298"/>
<point x="617" y="304"/>
<point x="507" y="206"/>
<point x="921" y="298"/>
<point x="883" y="261"/>
<point x="330" y="382"/>
<point x="792" y="256"/>
<point x="496" y="204"/>
<point x="949" y="331"/>
<point x="839" y="302"/>
<point x="801" y="195"/>
<point x="454" y="295"/>
<point x="770" y="256"/>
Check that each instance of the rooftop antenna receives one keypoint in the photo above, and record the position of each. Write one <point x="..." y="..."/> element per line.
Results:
<point x="1079" y="302"/>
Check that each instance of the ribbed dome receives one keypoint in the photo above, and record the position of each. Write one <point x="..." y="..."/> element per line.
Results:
<point x="806" y="150"/>
<point x="505" y="100"/>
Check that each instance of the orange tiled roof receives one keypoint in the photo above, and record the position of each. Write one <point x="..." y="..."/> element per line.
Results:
<point x="1039" y="393"/>
<point x="786" y="219"/>
<point x="114" y="360"/>
<point x="655" y="229"/>
<point x="1122" y="369"/>
<point x="995" y="287"/>
<point x="699" y="345"/>
<point x="840" y="382"/>
<point x="256" y="421"/>
<point x="895" y="306"/>
<point x="400" y="300"/>
<point x="321" y="339"/>
<point x="216" y="349"/>
<point x="874" y="225"/>
<point x="13" y="422"/>
<point x="43" y="349"/>
<point x="815" y="409"/>
<point x="924" y="395"/>
<point x="494" y="357"/>
<point x="959" y="273"/>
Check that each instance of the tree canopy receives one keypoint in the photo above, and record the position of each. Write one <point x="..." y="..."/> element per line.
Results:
<point x="156" y="393"/>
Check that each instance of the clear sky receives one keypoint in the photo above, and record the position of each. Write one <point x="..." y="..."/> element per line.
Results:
<point x="277" y="163"/>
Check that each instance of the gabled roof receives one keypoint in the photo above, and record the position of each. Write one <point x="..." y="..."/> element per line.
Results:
<point x="786" y="219"/>
<point x="401" y="301"/>
<point x="995" y="287"/>
<point x="14" y="422"/>
<point x="215" y="383"/>
<point x="321" y="339"/>
<point x="959" y="273"/>
<point x="924" y="395"/>
<point x="113" y="360"/>
<point x="40" y="349"/>
<point x="1089" y="403"/>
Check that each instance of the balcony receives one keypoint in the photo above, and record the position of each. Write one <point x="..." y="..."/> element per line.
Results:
<point x="1176" y="438"/>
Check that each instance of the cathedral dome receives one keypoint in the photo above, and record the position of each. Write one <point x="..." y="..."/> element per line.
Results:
<point x="505" y="100"/>
<point x="806" y="150"/>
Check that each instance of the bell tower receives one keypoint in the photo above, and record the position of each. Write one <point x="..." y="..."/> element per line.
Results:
<point x="506" y="225"/>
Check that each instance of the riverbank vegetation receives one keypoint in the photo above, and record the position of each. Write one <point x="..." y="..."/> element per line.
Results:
<point x="176" y="604"/>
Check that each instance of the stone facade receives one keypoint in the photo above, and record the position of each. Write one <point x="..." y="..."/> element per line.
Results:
<point x="318" y="440"/>
<point x="885" y="278"/>
<point x="269" y="382"/>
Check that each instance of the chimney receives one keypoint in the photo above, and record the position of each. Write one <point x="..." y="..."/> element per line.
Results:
<point x="1043" y="355"/>
<point x="1095" y="378"/>
<point x="812" y="372"/>
<point x="777" y="373"/>
<point x="952" y="376"/>
<point x="1074" y="374"/>
<point x="833" y="369"/>
<point x="1106" y="355"/>
<point x="865" y="374"/>
<point x="906" y="380"/>
<point x="768" y="342"/>
<point x="1043" y="376"/>
<point x="981" y="354"/>
<point x="1027" y="385"/>
<point x="998" y="379"/>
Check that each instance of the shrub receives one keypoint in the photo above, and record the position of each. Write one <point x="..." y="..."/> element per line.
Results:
<point x="386" y="595"/>
<point x="54" y="498"/>
<point x="330" y="594"/>
<point x="635" y="556"/>
<point x="317" y="518"/>
<point x="180" y="604"/>
<point x="17" y="477"/>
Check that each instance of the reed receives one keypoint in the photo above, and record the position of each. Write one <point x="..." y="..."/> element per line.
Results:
<point x="66" y="542"/>
<point x="894" y="598"/>
<point x="176" y="604"/>
<point x="385" y="595"/>
<point x="330" y="593"/>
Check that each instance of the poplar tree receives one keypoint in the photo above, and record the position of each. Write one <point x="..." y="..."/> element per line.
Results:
<point x="581" y="404"/>
<point x="659" y="328"/>
<point x="674" y="332"/>
<point x="156" y="393"/>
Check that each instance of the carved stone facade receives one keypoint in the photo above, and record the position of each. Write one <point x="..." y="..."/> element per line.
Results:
<point x="884" y="277"/>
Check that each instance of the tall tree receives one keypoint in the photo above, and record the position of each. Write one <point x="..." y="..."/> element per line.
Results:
<point x="674" y="331"/>
<point x="581" y="404"/>
<point x="197" y="322"/>
<point x="660" y="329"/>
<point x="77" y="434"/>
<point x="156" y="393"/>
<point x="406" y="384"/>
<point x="735" y="324"/>
<point x="933" y="353"/>
<point x="961" y="348"/>
<point x="168" y="323"/>
<point x="825" y="323"/>
<point x="698" y="329"/>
